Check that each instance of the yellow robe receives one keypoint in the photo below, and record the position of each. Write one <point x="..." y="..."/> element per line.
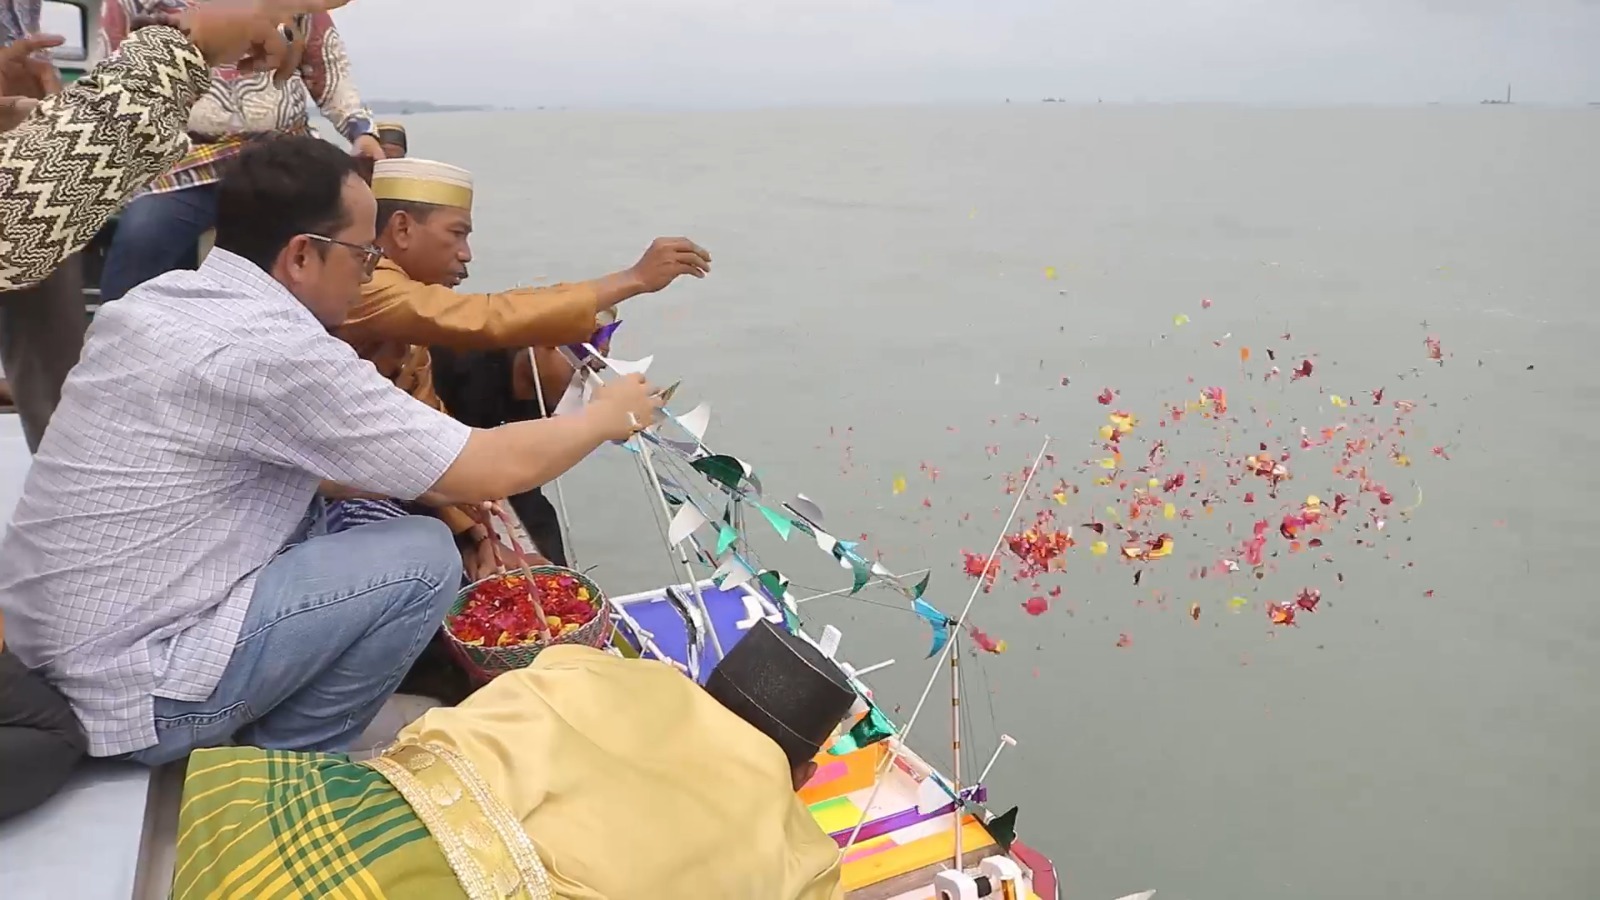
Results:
<point x="398" y="318"/>
<point x="633" y="782"/>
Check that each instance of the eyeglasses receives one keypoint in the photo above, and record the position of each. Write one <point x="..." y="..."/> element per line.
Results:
<point x="369" y="254"/>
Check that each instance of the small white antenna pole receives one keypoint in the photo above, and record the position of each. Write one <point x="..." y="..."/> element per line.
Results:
<point x="1006" y="740"/>
<point x="955" y="738"/>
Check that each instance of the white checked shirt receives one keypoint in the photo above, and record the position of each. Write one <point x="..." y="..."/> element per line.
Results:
<point x="186" y="450"/>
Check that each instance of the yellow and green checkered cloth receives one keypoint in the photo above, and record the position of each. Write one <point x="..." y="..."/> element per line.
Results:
<point x="274" y="825"/>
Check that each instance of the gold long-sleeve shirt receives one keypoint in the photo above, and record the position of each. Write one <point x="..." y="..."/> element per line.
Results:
<point x="72" y="164"/>
<point x="398" y="318"/>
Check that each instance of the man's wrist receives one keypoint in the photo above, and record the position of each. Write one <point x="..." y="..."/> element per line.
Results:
<point x="472" y="537"/>
<point x="617" y="287"/>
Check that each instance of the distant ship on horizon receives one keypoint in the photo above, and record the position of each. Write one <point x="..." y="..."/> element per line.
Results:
<point x="1505" y="102"/>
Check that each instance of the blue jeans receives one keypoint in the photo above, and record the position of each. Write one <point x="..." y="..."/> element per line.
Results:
<point x="334" y="624"/>
<point x="155" y="234"/>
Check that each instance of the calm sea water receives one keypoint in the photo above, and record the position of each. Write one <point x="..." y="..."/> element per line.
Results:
<point x="881" y="269"/>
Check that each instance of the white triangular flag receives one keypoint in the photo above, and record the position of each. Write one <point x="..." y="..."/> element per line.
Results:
<point x="577" y="395"/>
<point x="735" y="572"/>
<point x="688" y="519"/>
<point x="696" y="421"/>
<point x="630" y="367"/>
<point x="826" y="542"/>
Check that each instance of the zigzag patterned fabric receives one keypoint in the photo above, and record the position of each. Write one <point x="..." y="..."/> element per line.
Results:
<point x="68" y="168"/>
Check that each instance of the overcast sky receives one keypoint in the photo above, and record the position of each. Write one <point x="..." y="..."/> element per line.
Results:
<point x="696" y="53"/>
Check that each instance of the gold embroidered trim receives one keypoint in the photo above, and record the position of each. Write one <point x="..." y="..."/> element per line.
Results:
<point x="484" y="843"/>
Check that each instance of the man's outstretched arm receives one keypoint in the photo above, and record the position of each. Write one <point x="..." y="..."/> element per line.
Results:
<point x="68" y="167"/>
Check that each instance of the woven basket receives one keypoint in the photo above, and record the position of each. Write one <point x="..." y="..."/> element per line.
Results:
<point x="484" y="663"/>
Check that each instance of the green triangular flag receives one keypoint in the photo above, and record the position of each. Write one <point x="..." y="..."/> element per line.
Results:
<point x="773" y="582"/>
<point x="725" y="538"/>
<point x="1003" y="828"/>
<point x="780" y="522"/>
<point x="916" y="592"/>
<point x="858" y="567"/>
<point x="791" y="622"/>
<point x="873" y="727"/>
<point x="724" y="470"/>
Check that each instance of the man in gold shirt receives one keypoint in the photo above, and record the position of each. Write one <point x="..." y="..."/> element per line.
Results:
<point x="410" y="304"/>
<point x="584" y="776"/>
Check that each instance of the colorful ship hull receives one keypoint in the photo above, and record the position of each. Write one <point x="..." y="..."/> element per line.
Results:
<point x="908" y="834"/>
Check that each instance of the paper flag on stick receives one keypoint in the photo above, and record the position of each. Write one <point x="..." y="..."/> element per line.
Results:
<point x="1003" y="828"/>
<point x="803" y="507"/>
<point x="922" y="587"/>
<point x="688" y="449"/>
<point x="776" y="586"/>
<point x="725" y="538"/>
<point x="630" y="367"/>
<point x="826" y="542"/>
<point x="600" y="336"/>
<point x="684" y="523"/>
<point x="696" y="421"/>
<point x="779" y="524"/>
<point x="873" y="727"/>
<point x="732" y="573"/>
<point x="939" y="621"/>
<point x="727" y="471"/>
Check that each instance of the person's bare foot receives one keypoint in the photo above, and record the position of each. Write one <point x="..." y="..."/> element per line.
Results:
<point x="5" y="393"/>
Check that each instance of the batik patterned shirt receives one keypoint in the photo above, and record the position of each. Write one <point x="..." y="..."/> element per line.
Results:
<point x="70" y="165"/>
<point x="239" y="105"/>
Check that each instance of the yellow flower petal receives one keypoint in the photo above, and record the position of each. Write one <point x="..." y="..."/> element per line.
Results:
<point x="1171" y="512"/>
<point x="899" y="486"/>
<point x="1099" y="548"/>
<point x="1108" y="463"/>
<point x="1180" y="320"/>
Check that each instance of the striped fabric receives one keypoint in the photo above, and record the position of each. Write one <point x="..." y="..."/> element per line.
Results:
<point x="344" y="515"/>
<point x="200" y="166"/>
<point x="275" y="825"/>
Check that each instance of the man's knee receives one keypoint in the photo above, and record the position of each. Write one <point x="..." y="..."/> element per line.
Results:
<point x="428" y="544"/>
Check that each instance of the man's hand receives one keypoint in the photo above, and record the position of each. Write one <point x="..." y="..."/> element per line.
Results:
<point x="254" y="34"/>
<point x="366" y="147"/>
<point x="625" y="406"/>
<point x="26" y="75"/>
<point x="666" y="259"/>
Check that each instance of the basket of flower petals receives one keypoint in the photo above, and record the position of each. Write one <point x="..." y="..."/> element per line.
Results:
<point x="502" y="622"/>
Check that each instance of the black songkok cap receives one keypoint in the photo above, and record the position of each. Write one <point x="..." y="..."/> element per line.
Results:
<point x="785" y="687"/>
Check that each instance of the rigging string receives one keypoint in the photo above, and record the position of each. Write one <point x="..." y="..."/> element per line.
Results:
<point x="938" y="668"/>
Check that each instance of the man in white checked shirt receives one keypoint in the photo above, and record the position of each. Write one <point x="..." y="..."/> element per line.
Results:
<point x="167" y="567"/>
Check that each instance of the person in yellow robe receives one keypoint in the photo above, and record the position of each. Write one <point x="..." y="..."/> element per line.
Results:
<point x="583" y="776"/>
<point x="410" y="303"/>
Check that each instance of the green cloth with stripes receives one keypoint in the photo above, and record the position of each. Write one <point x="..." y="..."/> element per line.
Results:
<point x="275" y="825"/>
